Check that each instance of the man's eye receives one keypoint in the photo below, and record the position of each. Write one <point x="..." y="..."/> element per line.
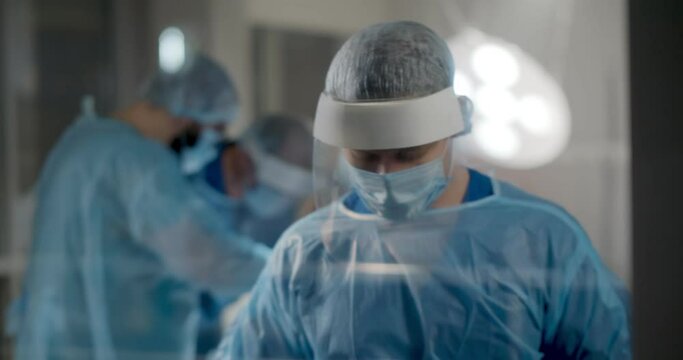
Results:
<point x="372" y="159"/>
<point x="406" y="156"/>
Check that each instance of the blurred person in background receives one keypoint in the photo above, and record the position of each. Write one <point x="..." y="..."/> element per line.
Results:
<point x="123" y="244"/>
<point x="280" y="156"/>
<point x="278" y="184"/>
<point x="412" y="254"/>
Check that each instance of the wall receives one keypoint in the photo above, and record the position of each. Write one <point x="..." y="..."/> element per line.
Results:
<point x="231" y="44"/>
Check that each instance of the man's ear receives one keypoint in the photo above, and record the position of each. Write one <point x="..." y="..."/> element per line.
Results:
<point x="467" y="110"/>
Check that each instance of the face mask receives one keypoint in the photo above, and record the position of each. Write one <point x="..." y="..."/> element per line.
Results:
<point x="194" y="158"/>
<point x="401" y="194"/>
<point x="265" y="202"/>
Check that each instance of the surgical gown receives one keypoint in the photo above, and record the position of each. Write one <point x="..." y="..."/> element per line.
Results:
<point x="510" y="276"/>
<point x="122" y="246"/>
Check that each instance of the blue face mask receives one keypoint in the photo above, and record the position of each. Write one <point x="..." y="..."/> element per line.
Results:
<point x="193" y="159"/>
<point x="402" y="194"/>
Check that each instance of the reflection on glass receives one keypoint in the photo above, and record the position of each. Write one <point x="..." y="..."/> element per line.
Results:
<point x="171" y="49"/>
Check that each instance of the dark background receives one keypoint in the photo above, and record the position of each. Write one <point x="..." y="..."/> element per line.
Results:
<point x="656" y="56"/>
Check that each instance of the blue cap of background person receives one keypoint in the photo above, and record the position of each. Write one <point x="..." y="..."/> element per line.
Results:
<point x="201" y="91"/>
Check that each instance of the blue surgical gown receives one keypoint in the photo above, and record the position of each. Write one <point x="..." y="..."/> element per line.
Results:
<point x="507" y="276"/>
<point x="265" y="230"/>
<point x="122" y="246"/>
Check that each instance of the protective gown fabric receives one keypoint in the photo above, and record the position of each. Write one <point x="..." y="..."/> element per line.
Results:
<point x="509" y="276"/>
<point x="122" y="245"/>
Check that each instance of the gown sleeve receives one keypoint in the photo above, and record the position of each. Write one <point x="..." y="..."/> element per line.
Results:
<point x="268" y="327"/>
<point x="195" y="241"/>
<point x="588" y="307"/>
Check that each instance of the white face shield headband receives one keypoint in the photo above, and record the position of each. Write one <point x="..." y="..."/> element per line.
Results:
<point x="389" y="124"/>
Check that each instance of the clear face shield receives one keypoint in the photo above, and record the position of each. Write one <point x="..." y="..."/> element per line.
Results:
<point x="280" y="184"/>
<point x="391" y="159"/>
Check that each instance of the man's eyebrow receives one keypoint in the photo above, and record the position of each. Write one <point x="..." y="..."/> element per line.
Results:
<point x="419" y="148"/>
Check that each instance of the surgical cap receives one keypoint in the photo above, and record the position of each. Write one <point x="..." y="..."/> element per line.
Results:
<point x="284" y="136"/>
<point x="201" y="90"/>
<point x="388" y="61"/>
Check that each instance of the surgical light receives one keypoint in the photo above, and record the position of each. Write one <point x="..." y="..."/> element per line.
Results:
<point x="463" y="85"/>
<point x="495" y="104"/>
<point x="497" y="139"/>
<point x="494" y="65"/>
<point x="521" y="118"/>
<point x="534" y="115"/>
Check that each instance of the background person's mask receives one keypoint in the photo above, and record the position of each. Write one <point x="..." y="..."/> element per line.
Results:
<point x="193" y="158"/>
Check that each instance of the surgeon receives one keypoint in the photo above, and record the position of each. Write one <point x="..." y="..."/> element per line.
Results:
<point x="122" y="243"/>
<point x="412" y="254"/>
